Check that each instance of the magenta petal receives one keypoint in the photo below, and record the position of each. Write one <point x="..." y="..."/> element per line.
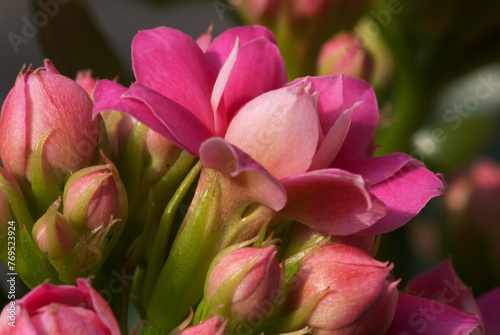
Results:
<point x="259" y="68"/>
<point x="331" y="201"/>
<point x="442" y="283"/>
<point x="107" y="95"/>
<point x="216" y="153"/>
<point x="171" y="63"/>
<point x="417" y="315"/>
<point x="99" y="305"/>
<point x="490" y="311"/>
<point x="276" y="127"/>
<point x="222" y="45"/>
<point x="401" y="182"/>
<point x="166" y="117"/>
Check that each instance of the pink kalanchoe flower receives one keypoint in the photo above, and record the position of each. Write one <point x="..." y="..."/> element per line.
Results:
<point x="257" y="275"/>
<point x="438" y="303"/>
<point x="58" y="310"/>
<point x="203" y="91"/>
<point x="324" y="137"/>
<point x="43" y="101"/>
<point x="350" y="291"/>
<point x="213" y="326"/>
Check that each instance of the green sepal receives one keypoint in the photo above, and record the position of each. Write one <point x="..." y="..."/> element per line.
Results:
<point x="45" y="185"/>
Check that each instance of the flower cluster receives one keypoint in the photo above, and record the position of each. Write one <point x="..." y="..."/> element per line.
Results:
<point x="289" y="202"/>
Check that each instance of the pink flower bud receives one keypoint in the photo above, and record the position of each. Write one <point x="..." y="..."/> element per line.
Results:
<point x="59" y="309"/>
<point x="251" y="277"/>
<point x="213" y="326"/>
<point x="45" y="102"/>
<point x="55" y="236"/>
<point x="345" y="54"/>
<point x="5" y="208"/>
<point x="93" y="197"/>
<point x="348" y="289"/>
<point x="258" y="11"/>
<point x="86" y="81"/>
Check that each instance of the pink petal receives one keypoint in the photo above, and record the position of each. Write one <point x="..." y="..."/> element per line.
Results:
<point x="166" y="117"/>
<point x="107" y="96"/>
<point x="417" y="315"/>
<point x="205" y="39"/>
<point x="99" y="305"/>
<point x="276" y="127"/>
<point x="46" y="294"/>
<point x="171" y="63"/>
<point x="490" y="311"/>
<point x="441" y="283"/>
<point x="332" y="143"/>
<point x="401" y="182"/>
<point x="23" y="323"/>
<point x="331" y="201"/>
<point x="221" y="47"/>
<point x="216" y="153"/>
<point x="259" y="68"/>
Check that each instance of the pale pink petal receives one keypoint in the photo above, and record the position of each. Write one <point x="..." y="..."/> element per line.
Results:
<point x="417" y="315"/>
<point x="401" y="182"/>
<point x="21" y="317"/>
<point x="333" y="141"/>
<point x="222" y="45"/>
<point x="166" y="118"/>
<point x="489" y="304"/>
<point x="95" y="302"/>
<point x="331" y="201"/>
<point x="216" y="153"/>
<point x="218" y="105"/>
<point x="259" y="68"/>
<point x="171" y="63"/>
<point x="276" y="127"/>
<point x="441" y="283"/>
<point x="205" y="39"/>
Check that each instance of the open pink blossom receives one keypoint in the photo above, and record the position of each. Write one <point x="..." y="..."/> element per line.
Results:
<point x="64" y="309"/>
<point x="438" y="303"/>
<point x="189" y="95"/>
<point x="309" y="145"/>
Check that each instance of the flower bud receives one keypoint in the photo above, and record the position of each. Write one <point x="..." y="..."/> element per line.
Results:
<point x="45" y="102"/>
<point x="93" y="197"/>
<point x="54" y="235"/>
<point x="341" y="288"/>
<point x="249" y="278"/>
<point x="213" y="326"/>
<point x="86" y="81"/>
<point x="345" y="54"/>
<point x="5" y="207"/>
<point x="259" y="11"/>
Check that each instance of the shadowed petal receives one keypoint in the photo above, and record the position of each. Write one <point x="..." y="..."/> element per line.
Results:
<point x="276" y="127"/>
<point x="417" y="315"/>
<point x="216" y="153"/>
<point x="401" y="182"/>
<point x="490" y="311"/>
<point x="331" y="201"/>
<point x="171" y="63"/>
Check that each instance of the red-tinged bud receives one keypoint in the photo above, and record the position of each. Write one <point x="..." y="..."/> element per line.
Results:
<point x="340" y="289"/>
<point x="86" y="81"/>
<point x="45" y="102"/>
<point x="259" y="11"/>
<point x="246" y="281"/>
<point x="5" y="208"/>
<point x="213" y="326"/>
<point x="345" y="54"/>
<point x="93" y="197"/>
<point x="55" y="236"/>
